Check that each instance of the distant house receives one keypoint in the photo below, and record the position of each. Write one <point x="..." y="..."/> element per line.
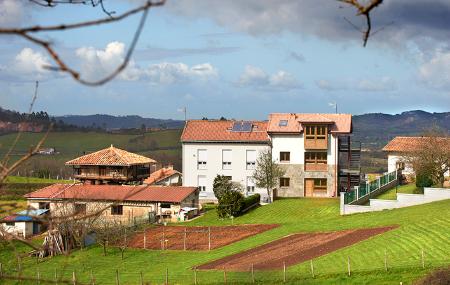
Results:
<point x="315" y="150"/>
<point x="25" y="223"/>
<point x="111" y="166"/>
<point x="116" y="202"/>
<point x="400" y="148"/>
<point x="164" y="176"/>
<point x="47" y="151"/>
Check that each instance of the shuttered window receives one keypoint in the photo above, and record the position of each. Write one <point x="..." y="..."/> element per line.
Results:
<point x="226" y="159"/>
<point x="201" y="182"/>
<point x="250" y="184"/>
<point x="251" y="159"/>
<point x="201" y="158"/>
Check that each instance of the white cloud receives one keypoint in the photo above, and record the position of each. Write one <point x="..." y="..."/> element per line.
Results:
<point x="27" y="65"/>
<point x="12" y="13"/>
<point x="382" y="84"/>
<point x="97" y="63"/>
<point x="256" y="77"/>
<point x="435" y="72"/>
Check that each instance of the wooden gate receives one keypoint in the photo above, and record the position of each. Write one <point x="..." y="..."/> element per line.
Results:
<point x="309" y="187"/>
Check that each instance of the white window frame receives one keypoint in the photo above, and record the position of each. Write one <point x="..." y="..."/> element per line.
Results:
<point x="250" y="163"/>
<point x="227" y="158"/>
<point x="249" y="187"/>
<point x="202" y="159"/>
<point x="202" y="188"/>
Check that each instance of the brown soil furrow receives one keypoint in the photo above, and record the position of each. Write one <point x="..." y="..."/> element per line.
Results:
<point x="292" y="249"/>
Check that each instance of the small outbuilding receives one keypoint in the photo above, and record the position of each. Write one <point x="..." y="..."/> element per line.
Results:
<point x="25" y="223"/>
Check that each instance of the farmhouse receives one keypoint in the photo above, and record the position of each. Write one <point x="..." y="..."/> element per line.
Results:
<point x="122" y="203"/>
<point x="111" y="166"/>
<point x="400" y="148"/>
<point x="315" y="150"/>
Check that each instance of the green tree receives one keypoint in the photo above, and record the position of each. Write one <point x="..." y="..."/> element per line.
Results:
<point x="267" y="173"/>
<point x="229" y="196"/>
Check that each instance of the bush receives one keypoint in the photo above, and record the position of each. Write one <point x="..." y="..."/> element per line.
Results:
<point x="249" y="202"/>
<point x="230" y="204"/>
<point x="423" y="180"/>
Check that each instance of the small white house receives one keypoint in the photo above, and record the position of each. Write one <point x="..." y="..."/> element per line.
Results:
<point x="25" y="223"/>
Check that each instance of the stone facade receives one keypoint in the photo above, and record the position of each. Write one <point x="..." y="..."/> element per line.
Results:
<point x="297" y="175"/>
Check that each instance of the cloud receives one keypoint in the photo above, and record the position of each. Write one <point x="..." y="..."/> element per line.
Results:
<point x="435" y="72"/>
<point x="296" y="56"/>
<point x="256" y="77"/>
<point x="383" y="84"/>
<point x="96" y="63"/>
<point x="413" y="19"/>
<point x="27" y="65"/>
<point x="12" y="13"/>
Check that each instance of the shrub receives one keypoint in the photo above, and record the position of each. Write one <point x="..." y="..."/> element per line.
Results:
<point x="249" y="202"/>
<point x="230" y="204"/>
<point x="423" y="180"/>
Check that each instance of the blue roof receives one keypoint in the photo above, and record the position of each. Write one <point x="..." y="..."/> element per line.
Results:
<point x="32" y="212"/>
<point x="17" y="218"/>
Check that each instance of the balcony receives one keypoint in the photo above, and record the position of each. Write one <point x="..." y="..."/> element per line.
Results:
<point x="316" y="167"/>
<point x="316" y="143"/>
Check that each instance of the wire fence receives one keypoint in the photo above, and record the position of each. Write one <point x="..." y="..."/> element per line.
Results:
<point x="163" y="272"/>
<point x="366" y="188"/>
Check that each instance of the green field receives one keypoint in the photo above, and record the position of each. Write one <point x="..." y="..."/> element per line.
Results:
<point x="424" y="227"/>
<point x="164" y="146"/>
<point x="407" y="189"/>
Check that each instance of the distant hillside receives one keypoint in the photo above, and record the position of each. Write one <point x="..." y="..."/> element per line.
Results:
<point x="376" y="129"/>
<point x="119" y="122"/>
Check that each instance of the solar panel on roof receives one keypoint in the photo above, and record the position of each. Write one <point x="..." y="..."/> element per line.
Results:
<point x="283" y="123"/>
<point x="242" y="127"/>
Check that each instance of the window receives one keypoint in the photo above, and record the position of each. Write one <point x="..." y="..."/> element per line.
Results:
<point x="226" y="159"/>
<point x="202" y="182"/>
<point x="44" y="205"/>
<point x="284" y="182"/>
<point x="201" y="158"/>
<point x="320" y="184"/>
<point x="283" y="123"/>
<point x="80" y="208"/>
<point x="11" y="224"/>
<point x="250" y="184"/>
<point x="285" y="156"/>
<point x="117" y="210"/>
<point x="251" y="159"/>
<point x="316" y="157"/>
<point x="316" y="132"/>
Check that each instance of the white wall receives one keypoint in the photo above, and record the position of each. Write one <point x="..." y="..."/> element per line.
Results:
<point x="392" y="164"/>
<point x="23" y="229"/>
<point x="295" y="144"/>
<point x="238" y="171"/>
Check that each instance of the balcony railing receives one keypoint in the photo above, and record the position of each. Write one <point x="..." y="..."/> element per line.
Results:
<point x="316" y="143"/>
<point x="316" y="167"/>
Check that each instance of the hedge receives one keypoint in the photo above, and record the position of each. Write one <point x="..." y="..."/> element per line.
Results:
<point x="249" y="202"/>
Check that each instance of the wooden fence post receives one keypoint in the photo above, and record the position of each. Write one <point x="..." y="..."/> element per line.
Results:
<point x="312" y="268"/>
<point x="167" y="276"/>
<point x="164" y="239"/>
<point x="1" y="270"/>
<point x="385" y="260"/>
<point x="56" y="276"/>
<point x="141" y="278"/>
<point x="195" y="276"/>
<point x="74" y="278"/>
<point x="224" y="276"/>
<point x="117" y="277"/>
<point x="209" y="238"/>
<point x="145" y="240"/>
<point x="284" y="272"/>
<point x="92" y="278"/>
<point x="253" y="274"/>
<point x="184" y="239"/>
<point x="423" y="259"/>
<point x="348" y="266"/>
<point x="38" y="276"/>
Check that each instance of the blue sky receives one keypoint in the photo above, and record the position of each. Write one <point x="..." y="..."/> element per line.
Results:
<point x="238" y="59"/>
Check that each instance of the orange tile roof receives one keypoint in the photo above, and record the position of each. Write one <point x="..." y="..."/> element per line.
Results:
<point x="340" y="123"/>
<point x="220" y="131"/>
<point x="111" y="156"/>
<point x="159" y="175"/>
<point x="408" y="144"/>
<point x="85" y="192"/>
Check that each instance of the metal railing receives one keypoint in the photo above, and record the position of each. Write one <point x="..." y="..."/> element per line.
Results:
<point x="366" y="188"/>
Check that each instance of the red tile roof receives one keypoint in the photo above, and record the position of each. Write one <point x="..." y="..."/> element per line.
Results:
<point x="111" y="156"/>
<point x="408" y="144"/>
<point x="340" y="123"/>
<point x="220" y="131"/>
<point x="141" y="193"/>
<point x="159" y="175"/>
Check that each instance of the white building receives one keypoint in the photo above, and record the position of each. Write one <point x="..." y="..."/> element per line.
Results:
<point x="306" y="146"/>
<point x="25" y="223"/>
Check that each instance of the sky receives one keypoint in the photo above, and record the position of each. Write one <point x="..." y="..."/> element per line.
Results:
<point x="237" y="59"/>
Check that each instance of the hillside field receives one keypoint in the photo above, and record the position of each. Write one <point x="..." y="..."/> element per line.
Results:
<point x="164" y="146"/>
<point x="420" y="228"/>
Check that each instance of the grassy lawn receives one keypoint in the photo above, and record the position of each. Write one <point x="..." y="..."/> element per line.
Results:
<point x="420" y="227"/>
<point x="407" y="189"/>
<point x="34" y="180"/>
